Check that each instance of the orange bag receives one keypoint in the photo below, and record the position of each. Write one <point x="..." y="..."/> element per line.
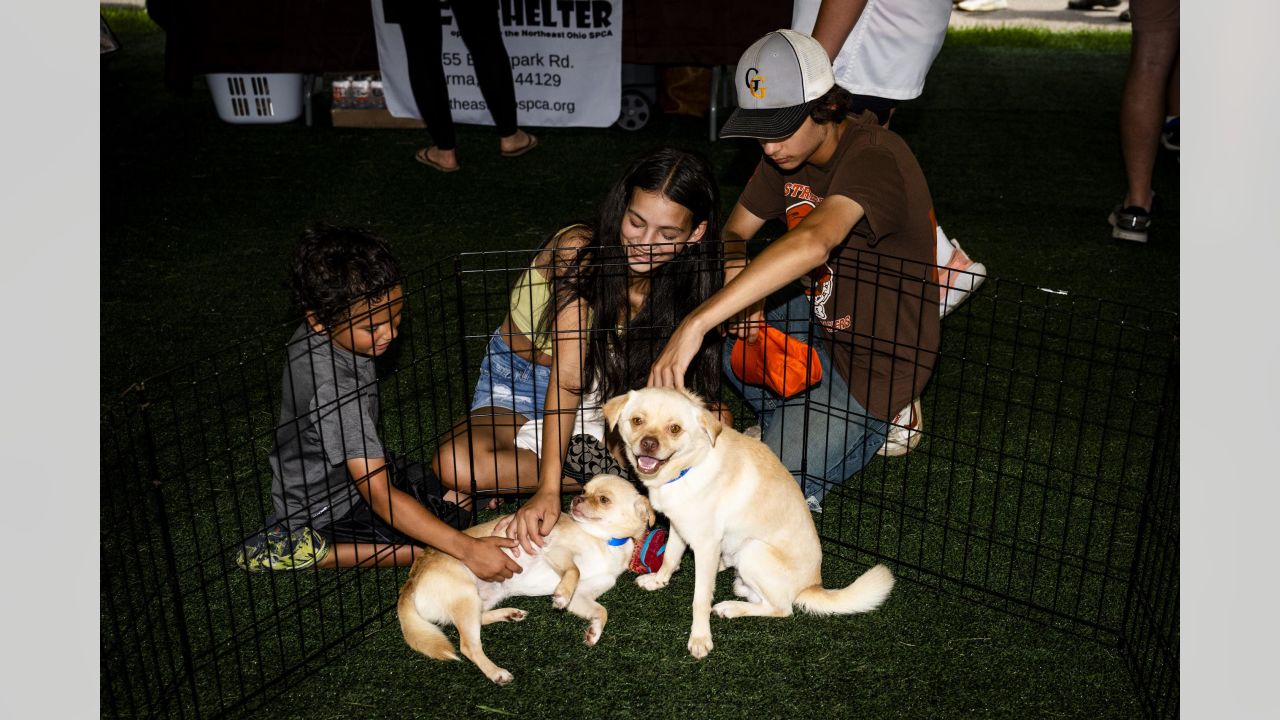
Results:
<point x="784" y="364"/>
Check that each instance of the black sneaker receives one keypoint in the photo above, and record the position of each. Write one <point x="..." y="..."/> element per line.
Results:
<point x="587" y="458"/>
<point x="1091" y="4"/>
<point x="1130" y="223"/>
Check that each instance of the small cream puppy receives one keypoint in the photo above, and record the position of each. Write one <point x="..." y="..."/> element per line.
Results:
<point x="584" y="554"/>
<point x="731" y="500"/>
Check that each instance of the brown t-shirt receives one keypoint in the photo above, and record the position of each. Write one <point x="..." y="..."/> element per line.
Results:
<point x="877" y="294"/>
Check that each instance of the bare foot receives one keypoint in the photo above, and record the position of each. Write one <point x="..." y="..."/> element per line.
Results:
<point x="457" y="498"/>
<point x="517" y="143"/>
<point x="442" y="160"/>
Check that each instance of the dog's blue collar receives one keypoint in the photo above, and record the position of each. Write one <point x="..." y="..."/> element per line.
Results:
<point x="615" y="542"/>
<point x="682" y="474"/>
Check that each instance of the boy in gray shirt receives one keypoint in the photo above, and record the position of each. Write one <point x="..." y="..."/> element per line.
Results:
<point x="340" y="499"/>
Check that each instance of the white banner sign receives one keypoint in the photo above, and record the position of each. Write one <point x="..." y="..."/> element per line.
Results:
<point x="566" y="60"/>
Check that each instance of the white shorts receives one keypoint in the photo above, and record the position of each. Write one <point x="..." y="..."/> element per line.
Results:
<point x="588" y="420"/>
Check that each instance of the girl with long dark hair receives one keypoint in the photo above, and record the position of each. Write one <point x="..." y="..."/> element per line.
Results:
<point x="586" y="321"/>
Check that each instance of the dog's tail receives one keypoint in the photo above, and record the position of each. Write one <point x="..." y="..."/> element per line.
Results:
<point x="862" y="595"/>
<point x="421" y="635"/>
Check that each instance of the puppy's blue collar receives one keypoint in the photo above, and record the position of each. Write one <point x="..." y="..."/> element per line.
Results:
<point x="615" y="542"/>
<point x="682" y="474"/>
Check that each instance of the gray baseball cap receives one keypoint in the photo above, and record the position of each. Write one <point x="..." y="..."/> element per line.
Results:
<point x="779" y="78"/>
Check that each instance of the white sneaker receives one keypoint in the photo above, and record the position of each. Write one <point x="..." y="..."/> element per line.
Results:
<point x="958" y="278"/>
<point x="904" y="432"/>
<point x="982" y="5"/>
<point x="754" y="432"/>
<point x="815" y="505"/>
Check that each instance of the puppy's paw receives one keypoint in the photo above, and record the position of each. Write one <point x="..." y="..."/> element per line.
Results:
<point x="593" y="633"/>
<point x="501" y="676"/>
<point x="700" y="646"/>
<point x="652" y="581"/>
<point x="560" y="601"/>
<point x="510" y="614"/>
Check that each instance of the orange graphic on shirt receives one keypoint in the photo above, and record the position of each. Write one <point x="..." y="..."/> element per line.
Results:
<point x="798" y="212"/>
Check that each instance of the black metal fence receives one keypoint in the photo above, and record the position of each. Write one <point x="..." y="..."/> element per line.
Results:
<point x="1045" y="484"/>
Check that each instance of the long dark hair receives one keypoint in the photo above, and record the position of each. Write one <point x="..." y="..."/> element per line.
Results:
<point x="618" y="358"/>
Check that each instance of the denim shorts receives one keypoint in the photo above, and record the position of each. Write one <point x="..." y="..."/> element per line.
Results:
<point x="509" y="381"/>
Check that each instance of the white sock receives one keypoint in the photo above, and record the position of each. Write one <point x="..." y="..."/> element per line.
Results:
<point x="945" y="248"/>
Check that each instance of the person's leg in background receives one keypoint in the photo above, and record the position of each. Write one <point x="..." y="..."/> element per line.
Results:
<point x="477" y="21"/>
<point x="1169" y="137"/>
<point x="420" y="26"/>
<point x="1153" y="58"/>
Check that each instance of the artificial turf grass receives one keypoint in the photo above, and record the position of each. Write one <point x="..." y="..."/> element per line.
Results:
<point x="1039" y="38"/>
<point x="898" y="661"/>
<point x="266" y="655"/>
<point x="868" y="512"/>
<point x="129" y="20"/>
<point x="1020" y="151"/>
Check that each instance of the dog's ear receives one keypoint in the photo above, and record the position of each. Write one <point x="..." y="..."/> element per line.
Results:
<point x="711" y="425"/>
<point x="645" y="510"/>
<point x="613" y="409"/>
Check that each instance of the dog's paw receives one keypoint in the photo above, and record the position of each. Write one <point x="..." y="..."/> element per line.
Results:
<point x="501" y="676"/>
<point x="652" y="581"/>
<point x="593" y="633"/>
<point x="506" y="615"/>
<point x="700" y="646"/>
<point x="560" y="601"/>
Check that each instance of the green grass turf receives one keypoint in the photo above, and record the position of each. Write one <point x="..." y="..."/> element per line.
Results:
<point x="1017" y="136"/>
<point x="1039" y="38"/>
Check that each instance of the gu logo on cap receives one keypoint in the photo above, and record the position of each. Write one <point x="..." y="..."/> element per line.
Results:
<point x="755" y="83"/>
<point x="798" y="72"/>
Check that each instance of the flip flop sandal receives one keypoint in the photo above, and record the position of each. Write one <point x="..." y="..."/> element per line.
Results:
<point x="533" y="143"/>
<point x="422" y="157"/>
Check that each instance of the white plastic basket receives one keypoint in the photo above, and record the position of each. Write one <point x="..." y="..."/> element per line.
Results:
<point x="258" y="98"/>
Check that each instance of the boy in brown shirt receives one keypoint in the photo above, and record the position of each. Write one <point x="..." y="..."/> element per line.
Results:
<point x="861" y="237"/>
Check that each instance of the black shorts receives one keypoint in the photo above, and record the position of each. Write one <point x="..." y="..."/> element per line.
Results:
<point x="882" y="107"/>
<point x="362" y="525"/>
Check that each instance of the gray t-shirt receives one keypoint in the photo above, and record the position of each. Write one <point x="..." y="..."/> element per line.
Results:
<point x="328" y="414"/>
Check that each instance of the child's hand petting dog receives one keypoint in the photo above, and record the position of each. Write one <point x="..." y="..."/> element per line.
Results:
<point x="531" y="524"/>
<point x="485" y="558"/>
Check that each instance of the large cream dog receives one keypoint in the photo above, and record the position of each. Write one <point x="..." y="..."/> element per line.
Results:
<point x="731" y="500"/>
<point x="585" y="553"/>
